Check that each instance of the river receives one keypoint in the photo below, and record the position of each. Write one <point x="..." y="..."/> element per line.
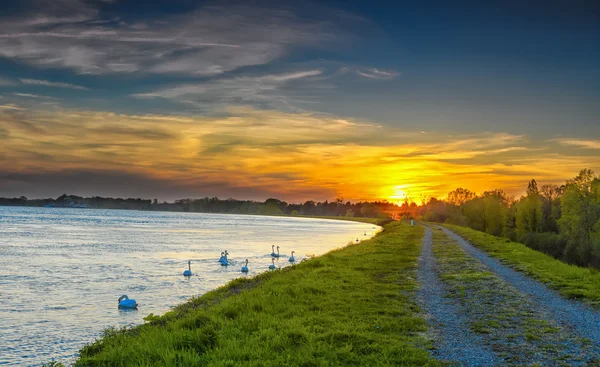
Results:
<point x="62" y="270"/>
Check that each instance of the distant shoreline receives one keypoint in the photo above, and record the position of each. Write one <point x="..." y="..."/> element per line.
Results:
<point x="349" y="219"/>
<point x="271" y="206"/>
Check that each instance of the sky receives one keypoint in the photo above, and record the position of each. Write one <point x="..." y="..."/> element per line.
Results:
<point x="362" y="100"/>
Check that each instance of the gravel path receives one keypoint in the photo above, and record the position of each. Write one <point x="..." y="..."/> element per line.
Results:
<point x="454" y="340"/>
<point x="521" y="331"/>
<point x="570" y="314"/>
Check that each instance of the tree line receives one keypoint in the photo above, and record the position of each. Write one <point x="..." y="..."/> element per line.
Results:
<point x="561" y="221"/>
<point x="215" y="205"/>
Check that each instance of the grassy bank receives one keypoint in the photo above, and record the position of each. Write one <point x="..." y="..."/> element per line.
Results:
<point x="353" y="306"/>
<point x="570" y="280"/>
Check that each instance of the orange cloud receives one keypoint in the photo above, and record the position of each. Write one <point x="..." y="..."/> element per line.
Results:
<point x="293" y="156"/>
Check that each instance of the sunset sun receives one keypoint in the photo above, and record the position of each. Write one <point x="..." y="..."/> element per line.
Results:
<point x="398" y="194"/>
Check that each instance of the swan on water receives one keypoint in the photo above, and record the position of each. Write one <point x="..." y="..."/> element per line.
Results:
<point x="126" y="303"/>
<point x="272" y="266"/>
<point x="273" y="250"/>
<point x="188" y="272"/>
<point x="245" y="267"/>
<point x="223" y="260"/>
<point x="292" y="258"/>
<point x="277" y="254"/>
<point x="222" y="257"/>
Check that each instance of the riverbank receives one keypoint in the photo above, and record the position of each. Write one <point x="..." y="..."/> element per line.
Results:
<point x="352" y="306"/>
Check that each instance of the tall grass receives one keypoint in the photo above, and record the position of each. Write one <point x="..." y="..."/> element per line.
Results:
<point x="351" y="307"/>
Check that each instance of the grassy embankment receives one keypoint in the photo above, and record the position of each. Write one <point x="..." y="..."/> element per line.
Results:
<point x="352" y="306"/>
<point x="570" y="280"/>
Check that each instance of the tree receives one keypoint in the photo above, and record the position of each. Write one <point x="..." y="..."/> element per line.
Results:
<point x="494" y="208"/>
<point x="550" y="195"/>
<point x="532" y="188"/>
<point x="529" y="215"/>
<point x="294" y="213"/>
<point x="349" y="213"/>
<point x="272" y="206"/>
<point x="583" y="180"/>
<point x="460" y="196"/>
<point x="580" y="209"/>
<point x="509" y="222"/>
<point x="486" y="213"/>
<point x="436" y="211"/>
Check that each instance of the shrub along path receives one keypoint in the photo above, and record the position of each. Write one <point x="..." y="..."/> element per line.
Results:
<point x="521" y="320"/>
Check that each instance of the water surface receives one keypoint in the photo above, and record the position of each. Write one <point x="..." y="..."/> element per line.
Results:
<point x="62" y="270"/>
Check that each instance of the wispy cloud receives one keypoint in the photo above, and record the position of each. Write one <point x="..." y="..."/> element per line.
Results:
<point x="377" y="74"/>
<point x="370" y="73"/>
<point x="10" y="107"/>
<point x="30" y="95"/>
<point x="47" y="83"/>
<point x="209" y="41"/>
<point x="586" y="144"/>
<point x="255" y="90"/>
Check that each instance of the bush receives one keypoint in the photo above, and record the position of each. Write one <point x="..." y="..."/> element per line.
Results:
<point x="549" y="243"/>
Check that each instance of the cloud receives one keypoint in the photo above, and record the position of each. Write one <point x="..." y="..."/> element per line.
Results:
<point x="585" y="144"/>
<point x="46" y="83"/>
<point x="262" y="90"/>
<point x="209" y="41"/>
<point x="370" y="73"/>
<point x="30" y="95"/>
<point x="250" y="153"/>
<point x="378" y="74"/>
<point x="10" y="107"/>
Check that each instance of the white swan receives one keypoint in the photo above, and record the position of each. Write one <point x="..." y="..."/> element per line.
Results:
<point x="272" y="266"/>
<point x="245" y="267"/>
<point x="188" y="272"/>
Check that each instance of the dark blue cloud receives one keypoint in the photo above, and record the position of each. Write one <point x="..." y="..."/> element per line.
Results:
<point x="512" y="66"/>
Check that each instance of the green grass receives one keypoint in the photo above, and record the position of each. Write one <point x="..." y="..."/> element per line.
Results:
<point x="351" y="307"/>
<point x="570" y="280"/>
